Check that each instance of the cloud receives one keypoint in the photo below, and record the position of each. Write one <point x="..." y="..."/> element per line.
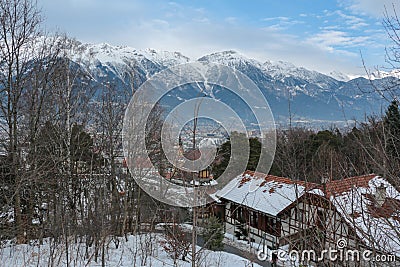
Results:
<point x="281" y="23"/>
<point x="197" y="31"/>
<point x="231" y="20"/>
<point x="276" y="18"/>
<point x="263" y="44"/>
<point x="331" y="27"/>
<point x="374" y="8"/>
<point x="350" y="21"/>
<point x="329" y="39"/>
<point x="353" y="22"/>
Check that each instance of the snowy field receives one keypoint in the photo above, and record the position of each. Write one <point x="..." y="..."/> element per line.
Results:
<point x="140" y="250"/>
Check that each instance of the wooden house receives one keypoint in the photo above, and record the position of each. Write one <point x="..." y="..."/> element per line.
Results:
<point x="274" y="211"/>
<point x="263" y="208"/>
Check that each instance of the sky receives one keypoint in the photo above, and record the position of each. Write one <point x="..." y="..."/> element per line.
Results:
<point x="322" y="35"/>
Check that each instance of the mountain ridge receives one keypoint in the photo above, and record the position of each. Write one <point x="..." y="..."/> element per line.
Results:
<point x="312" y="96"/>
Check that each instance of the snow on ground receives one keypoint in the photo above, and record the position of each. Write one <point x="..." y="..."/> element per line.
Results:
<point x="243" y="245"/>
<point x="130" y="253"/>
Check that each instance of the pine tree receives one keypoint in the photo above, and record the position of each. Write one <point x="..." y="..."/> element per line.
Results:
<point x="392" y="118"/>
<point x="242" y="232"/>
<point x="213" y="234"/>
<point x="392" y="127"/>
<point x="224" y="153"/>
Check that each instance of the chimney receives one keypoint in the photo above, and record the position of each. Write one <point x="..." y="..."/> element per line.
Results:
<point x="324" y="179"/>
<point x="380" y="195"/>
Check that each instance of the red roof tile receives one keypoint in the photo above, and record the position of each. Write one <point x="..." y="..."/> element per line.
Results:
<point x="335" y="187"/>
<point x="389" y="208"/>
<point x="273" y="178"/>
<point x="338" y="187"/>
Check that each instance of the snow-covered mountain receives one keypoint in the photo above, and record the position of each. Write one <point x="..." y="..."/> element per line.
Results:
<point x="341" y="76"/>
<point x="312" y="96"/>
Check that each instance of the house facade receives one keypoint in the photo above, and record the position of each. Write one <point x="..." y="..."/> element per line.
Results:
<point x="264" y="209"/>
<point x="276" y="212"/>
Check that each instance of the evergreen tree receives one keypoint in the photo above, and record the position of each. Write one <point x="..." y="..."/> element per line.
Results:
<point x="213" y="234"/>
<point x="224" y="154"/>
<point x="255" y="152"/>
<point x="392" y="130"/>
<point x="83" y="149"/>
<point x="392" y="118"/>
<point x="222" y="159"/>
<point x="241" y="232"/>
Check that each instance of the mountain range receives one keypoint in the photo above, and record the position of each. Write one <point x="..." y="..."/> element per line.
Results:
<point x="306" y="97"/>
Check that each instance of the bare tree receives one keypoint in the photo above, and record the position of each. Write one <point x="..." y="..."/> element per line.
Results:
<point x="19" y="28"/>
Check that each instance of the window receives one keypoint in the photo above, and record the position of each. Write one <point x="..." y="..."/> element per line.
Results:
<point x="254" y="219"/>
<point x="232" y="210"/>
<point x="299" y="214"/>
<point x="278" y="228"/>
<point x="239" y="214"/>
<point x="273" y="227"/>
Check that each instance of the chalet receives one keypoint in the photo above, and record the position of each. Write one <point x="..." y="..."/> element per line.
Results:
<point x="262" y="207"/>
<point x="179" y="176"/>
<point x="276" y="211"/>
<point x="369" y="209"/>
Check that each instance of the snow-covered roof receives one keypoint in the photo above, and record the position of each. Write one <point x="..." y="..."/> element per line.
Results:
<point x="215" y="198"/>
<point x="354" y="198"/>
<point x="266" y="193"/>
<point x="377" y="225"/>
